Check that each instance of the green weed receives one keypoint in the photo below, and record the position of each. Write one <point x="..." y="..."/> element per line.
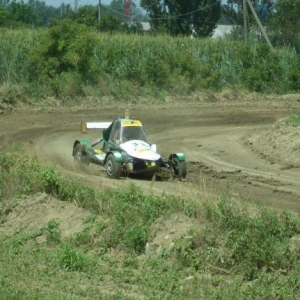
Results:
<point x="253" y="243"/>
<point x="134" y="212"/>
<point x="52" y="232"/>
<point x="73" y="260"/>
<point x="294" y="120"/>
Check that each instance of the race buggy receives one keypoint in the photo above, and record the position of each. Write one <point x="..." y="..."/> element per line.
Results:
<point x="124" y="149"/>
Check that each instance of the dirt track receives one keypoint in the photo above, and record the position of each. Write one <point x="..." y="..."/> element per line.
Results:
<point x="221" y="139"/>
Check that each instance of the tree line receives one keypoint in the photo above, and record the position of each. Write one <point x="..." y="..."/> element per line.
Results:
<point x="35" y="13"/>
<point x="197" y="18"/>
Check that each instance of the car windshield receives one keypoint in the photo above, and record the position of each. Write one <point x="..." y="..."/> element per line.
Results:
<point x="129" y="133"/>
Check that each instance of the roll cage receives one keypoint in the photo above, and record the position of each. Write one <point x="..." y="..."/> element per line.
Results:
<point x="123" y="130"/>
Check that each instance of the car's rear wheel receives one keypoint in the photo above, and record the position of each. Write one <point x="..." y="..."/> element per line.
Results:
<point x="113" y="168"/>
<point x="179" y="168"/>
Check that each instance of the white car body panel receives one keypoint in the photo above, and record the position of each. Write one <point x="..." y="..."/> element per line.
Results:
<point x="140" y="149"/>
<point x="97" y="125"/>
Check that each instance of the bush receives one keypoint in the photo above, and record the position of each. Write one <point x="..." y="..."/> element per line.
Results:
<point x="68" y="47"/>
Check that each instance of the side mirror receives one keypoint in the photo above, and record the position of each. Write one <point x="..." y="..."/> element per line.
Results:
<point x="153" y="147"/>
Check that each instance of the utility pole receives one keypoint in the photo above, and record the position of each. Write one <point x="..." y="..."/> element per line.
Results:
<point x="245" y="21"/>
<point x="260" y="25"/>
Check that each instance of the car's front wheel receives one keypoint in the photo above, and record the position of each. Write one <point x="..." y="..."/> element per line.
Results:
<point x="113" y="168"/>
<point x="179" y="168"/>
<point x="79" y="159"/>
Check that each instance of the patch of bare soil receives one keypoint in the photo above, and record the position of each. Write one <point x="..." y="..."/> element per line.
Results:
<point x="232" y="141"/>
<point x="280" y="143"/>
<point x="167" y="229"/>
<point x="31" y="214"/>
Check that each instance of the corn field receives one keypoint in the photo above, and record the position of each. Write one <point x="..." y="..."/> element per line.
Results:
<point x="55" y="63"/>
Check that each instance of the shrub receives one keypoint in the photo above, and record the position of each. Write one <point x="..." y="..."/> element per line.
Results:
<point x="293" y="75"/>
<point x="255" y="79"/>
<point x="67" y="47"/>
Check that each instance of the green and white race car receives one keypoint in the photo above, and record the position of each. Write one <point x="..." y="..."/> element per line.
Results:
<point x="124" y="149"/>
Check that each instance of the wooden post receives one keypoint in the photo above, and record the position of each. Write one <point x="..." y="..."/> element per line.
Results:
<point x="260" y="25"/>
<point x="83" y="127"/>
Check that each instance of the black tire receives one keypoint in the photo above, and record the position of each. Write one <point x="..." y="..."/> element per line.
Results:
<point x="179" y="168"/>
<point x="79" y="159"/>
<point x="113" y="168"/>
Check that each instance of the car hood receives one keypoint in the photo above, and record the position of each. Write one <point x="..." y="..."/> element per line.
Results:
<point x="139" y="149"/>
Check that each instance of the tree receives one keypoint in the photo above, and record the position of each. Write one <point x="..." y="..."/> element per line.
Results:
<point x="22" y="13"/>
<point x="4" y="16"/>
<point x="87" y="15"/>
<point x="4" y="3"/>
<point x="285" y="25"/>
<point x="67" y="47"/>
<point x="111" y="24"/>
<point x="32" y="12"/>
<point x="233" y="11"/>
<point x="116" y="8"/>
<point x="44" y="12"/>
<point x="181" y="17"/>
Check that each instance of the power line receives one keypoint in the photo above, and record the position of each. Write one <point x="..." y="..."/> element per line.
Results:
<point x="185" y="14"/>
<point x="170" y="17"/>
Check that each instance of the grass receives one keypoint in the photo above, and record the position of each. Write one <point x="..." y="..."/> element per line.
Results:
<point x="294" y="120"/>
<point x="231" y="252"/>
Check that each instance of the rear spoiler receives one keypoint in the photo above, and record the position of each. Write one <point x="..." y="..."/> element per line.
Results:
<point x="93" y="125"/>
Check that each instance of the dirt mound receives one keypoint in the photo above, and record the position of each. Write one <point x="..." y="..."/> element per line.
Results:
<point x="280" y="143"/>
<point x="167" y="229"/>
<point x="34" y="212"/>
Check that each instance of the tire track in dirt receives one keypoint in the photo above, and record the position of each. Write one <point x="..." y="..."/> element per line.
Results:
<point x="212" y="135"/>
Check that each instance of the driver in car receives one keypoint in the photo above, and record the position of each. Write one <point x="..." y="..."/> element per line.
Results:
<point x="129" y="133"/>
